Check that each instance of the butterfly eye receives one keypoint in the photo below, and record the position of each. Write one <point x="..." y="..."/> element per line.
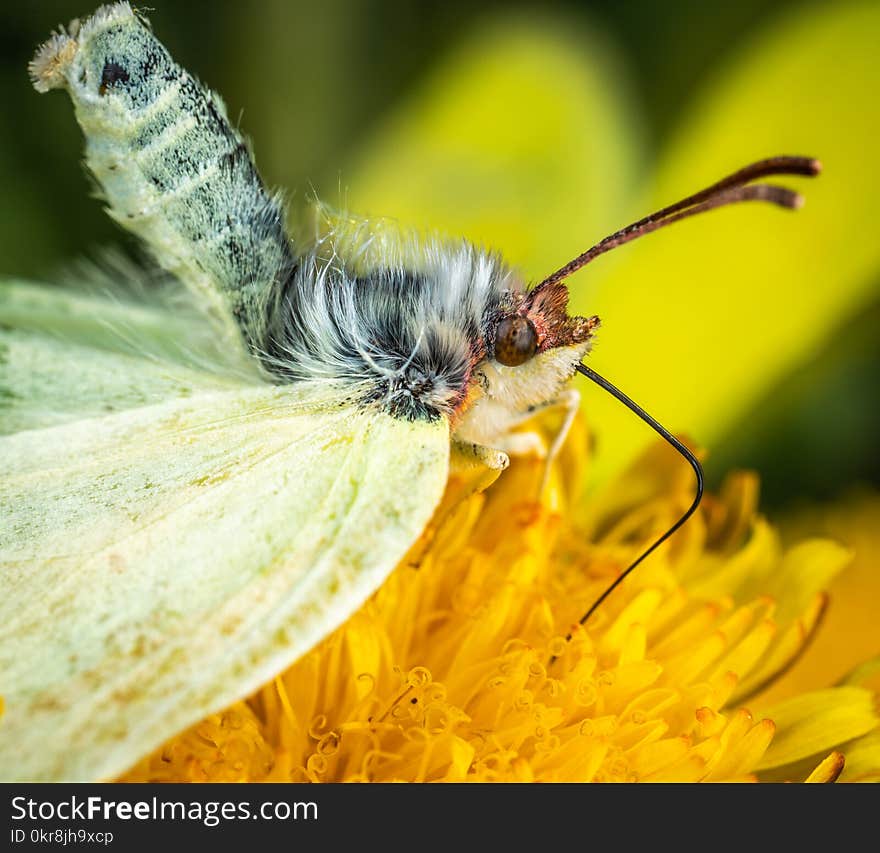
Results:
<point x="515" y="341"/>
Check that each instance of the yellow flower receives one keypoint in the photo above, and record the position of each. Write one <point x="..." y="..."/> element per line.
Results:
<point x="459" y="669"/>
<point x="849" y="633"/>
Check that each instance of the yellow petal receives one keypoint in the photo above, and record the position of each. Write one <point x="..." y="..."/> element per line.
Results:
<point x="805" y="570"/>
<point x="743" y="751"/>
<point x="655" y="757"/>
<point x="862" y="759"/>
<point x="791" y="644"/>
<point x="814" y="722"/>
<point x="866" y="674"/>
<point x="848" y="637"/>
<point x="829" y="769"/>
<point x="758" y="558"/>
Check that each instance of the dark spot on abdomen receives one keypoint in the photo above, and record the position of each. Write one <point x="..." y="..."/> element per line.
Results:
<point x="112" y="74"/>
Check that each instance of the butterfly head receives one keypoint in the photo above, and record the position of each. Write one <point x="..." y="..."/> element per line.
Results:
<point x="529" y="324"/>
<point x="532" y="347"/>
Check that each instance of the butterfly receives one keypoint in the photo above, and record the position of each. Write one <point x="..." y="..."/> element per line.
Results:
<point x="202" y="480"/>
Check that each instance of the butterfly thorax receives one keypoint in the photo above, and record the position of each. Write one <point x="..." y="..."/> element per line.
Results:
<point x="405" y="339"/>
<point x="422" y="343"/>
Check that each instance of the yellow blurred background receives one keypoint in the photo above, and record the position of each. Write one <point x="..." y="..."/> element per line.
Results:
<point x="538" y="128"/>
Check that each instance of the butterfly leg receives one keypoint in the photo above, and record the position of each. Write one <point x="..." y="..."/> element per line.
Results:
<point x="531" y="443"/>
<point x="478" y="454"/>
<point x="570" y="402"/>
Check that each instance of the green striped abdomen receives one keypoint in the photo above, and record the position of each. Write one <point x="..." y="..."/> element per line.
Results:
<point x="174" y="171"/>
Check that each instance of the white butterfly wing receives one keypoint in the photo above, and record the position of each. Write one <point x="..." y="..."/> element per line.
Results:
<point x="66" y="354"/>
<point x="159" y="562"/>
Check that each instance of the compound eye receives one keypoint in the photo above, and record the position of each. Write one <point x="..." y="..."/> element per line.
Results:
<point x="516" y="341"/>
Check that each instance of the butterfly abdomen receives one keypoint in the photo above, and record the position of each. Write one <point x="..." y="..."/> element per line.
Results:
<point x="169" y="163"/>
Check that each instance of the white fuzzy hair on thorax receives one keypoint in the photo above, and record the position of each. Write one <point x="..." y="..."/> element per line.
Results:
<point x="405" y="335"/>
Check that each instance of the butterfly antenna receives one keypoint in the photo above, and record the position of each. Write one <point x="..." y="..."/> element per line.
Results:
<point x="668" y="436"/>
<point x="734" y="188"/>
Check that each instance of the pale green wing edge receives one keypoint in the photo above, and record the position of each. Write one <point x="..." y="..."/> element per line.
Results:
<point x="67" y="353"/>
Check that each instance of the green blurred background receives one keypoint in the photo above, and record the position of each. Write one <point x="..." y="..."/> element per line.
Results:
<point x="315" y="82"/>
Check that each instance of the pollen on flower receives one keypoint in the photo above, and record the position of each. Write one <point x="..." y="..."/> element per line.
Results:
<point x="226" y="747"/>
<point x="469" y="663"/>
